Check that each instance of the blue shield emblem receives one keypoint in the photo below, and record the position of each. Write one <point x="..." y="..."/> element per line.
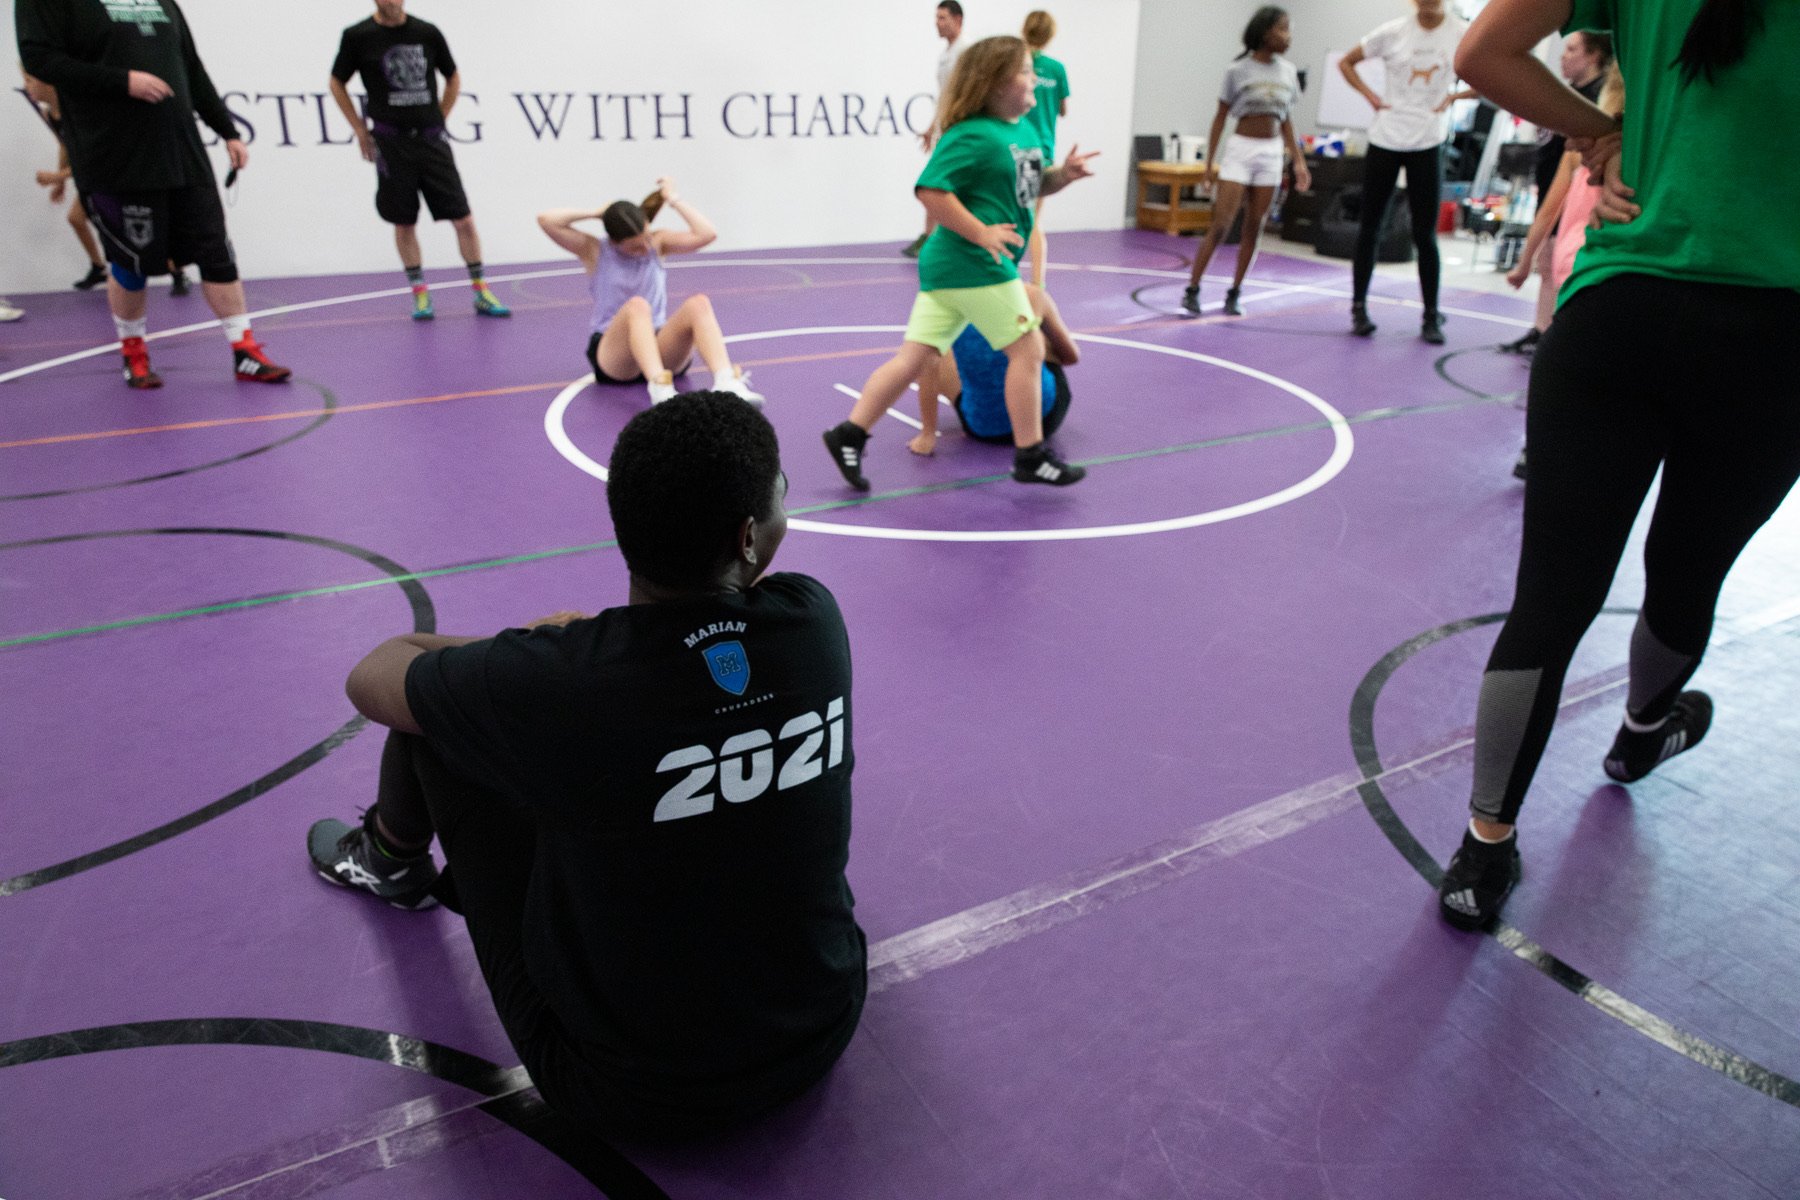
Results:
<point x="730" y="668"/>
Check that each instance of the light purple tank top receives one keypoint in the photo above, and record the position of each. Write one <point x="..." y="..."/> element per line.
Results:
<point x="618" y="277"/>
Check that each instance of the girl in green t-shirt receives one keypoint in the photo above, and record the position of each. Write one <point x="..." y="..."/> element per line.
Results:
<point x="1669" y="354"/>
<point x="985" y="173"/>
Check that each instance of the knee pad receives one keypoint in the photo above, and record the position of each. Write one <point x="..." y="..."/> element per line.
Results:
<point x="131" y="281"/>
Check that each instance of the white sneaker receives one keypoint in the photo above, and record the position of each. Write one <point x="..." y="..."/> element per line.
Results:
<point x="662" y="391"/>
<point x="10" y="312"/>
<point x="738" y="384"/>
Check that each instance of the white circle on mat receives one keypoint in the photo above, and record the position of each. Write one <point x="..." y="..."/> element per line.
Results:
<point x="1341" y="448"/>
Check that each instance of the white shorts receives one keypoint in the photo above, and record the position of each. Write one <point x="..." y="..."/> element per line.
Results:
<point x="1253" y="162"/>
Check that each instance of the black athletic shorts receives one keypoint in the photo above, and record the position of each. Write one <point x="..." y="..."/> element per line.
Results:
<point x="602" y="378"/>
<point x="410" y="162"/>
<point x="143" y="231"/>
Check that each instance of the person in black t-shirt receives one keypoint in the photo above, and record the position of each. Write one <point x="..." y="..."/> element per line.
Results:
<point x="131" y="83"/>
<point x="646" y="813"/>
<point x="402" y="133"/>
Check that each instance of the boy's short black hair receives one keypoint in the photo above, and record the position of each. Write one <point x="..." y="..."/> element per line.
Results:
<point x="953" y="7"/>
<point x="683" y="477"/>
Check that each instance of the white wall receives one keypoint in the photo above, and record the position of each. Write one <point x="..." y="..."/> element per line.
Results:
<point x="306" y="207"/>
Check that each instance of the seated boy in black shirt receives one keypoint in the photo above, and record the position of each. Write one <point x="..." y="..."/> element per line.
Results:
<point x="646" y="813"/>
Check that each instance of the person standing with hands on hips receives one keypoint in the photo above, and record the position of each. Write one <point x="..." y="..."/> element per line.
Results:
<point x="1411" y="122"/>
<point x="399" y="58"/>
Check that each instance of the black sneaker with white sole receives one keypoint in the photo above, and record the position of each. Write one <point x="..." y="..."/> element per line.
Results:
<point x="346" y="855"/>
<point x="1190" y="301"/>
<point x="1478" y="880"/>
<point x="1634" y="754"/>
<point x="1039" y="464"/>
<point x="846" y="440"/>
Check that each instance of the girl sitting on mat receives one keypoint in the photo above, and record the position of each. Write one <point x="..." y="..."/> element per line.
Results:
<point x="985" y="174"/>
<point x="634" y="338"/>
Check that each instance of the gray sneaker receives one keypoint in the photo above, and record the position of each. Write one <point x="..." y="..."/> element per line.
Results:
<point x="346" y="855"/>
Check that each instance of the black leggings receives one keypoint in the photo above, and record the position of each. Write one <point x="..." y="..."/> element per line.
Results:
<point x="1637" y="373"/>
<point x="1424" y="180"/>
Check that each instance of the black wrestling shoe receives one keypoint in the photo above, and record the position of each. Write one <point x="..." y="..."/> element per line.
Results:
<point x="1431" y="329"/>
<point x="1519" y="468"/>
<point x="846" y="440"/>
<point x="94" y="278"/>
<point x="1039" y="464"/>
<point x="1634" y="755"/>
<point x="1525" y="345"/>
<point x="1231" y="304"/>
<point x="1190" y="301"/>
<point x="1478" y="880"/>
<point x="178" y="286"/>
<point x="1360" y="324"/>
<point x="346" y="855"/>
<point x="912" y="248"/>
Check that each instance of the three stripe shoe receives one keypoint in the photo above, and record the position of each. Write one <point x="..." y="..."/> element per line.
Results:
<point x="1039" y="464"/>
<point x="1636" y="753"/>
<point x="253" y="365"/>
<point x="346" y="855"/>
<point x="1478" y="880"/>
<point x="488" y="305"/>
<point x="846" y="440"/>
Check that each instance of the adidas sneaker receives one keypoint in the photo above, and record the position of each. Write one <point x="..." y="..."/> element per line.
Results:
<point x="1634" y="754"/>
<point x="1478" y="880"/>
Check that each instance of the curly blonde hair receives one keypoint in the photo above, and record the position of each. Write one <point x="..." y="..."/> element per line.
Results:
<point x="981" y="71"/>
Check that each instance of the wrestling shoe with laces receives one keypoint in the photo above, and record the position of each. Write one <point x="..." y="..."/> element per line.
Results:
<point x="1478" y="880"/>
<point x="1039" y="464"/>
<point x="1232" y="308"/>
<point x="1190" y="301"/>
<point x="488" y="305"/>
<point x="846" y="440"/>
<point x="137" y="365"/>
<point x="422" y="310"/>
<point x="347" y="856"/>
<point x="253" y="365"/>
<point x="1635" y="754"/>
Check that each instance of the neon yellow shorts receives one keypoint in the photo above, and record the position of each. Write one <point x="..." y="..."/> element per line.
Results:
<point x="1000" y="311"/>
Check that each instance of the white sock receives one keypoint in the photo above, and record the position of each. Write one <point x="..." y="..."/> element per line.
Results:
<point x="1640" y="727"/>
<point x="1487" y="841"/>
<point x="131" y="329"/>
<point x="235" y="327"/>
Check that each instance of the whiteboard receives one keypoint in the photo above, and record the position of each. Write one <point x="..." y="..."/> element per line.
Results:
<point x="1342" y="106"/>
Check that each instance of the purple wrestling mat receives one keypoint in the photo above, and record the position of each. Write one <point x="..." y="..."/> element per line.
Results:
<point x="1152" y="772"/>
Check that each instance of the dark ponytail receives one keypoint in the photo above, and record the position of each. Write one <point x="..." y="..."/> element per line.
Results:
<point x="1267" y="17"/>
<point x="1719" y="37"/>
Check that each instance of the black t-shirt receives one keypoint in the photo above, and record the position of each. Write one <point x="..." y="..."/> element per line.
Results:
<point x="86" y="50"/>
<point x="688" y="769"/>
<point x="399" y="65"/>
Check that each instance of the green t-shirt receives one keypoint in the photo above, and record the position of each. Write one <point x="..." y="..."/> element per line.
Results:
<point x="995" y="168"/>
<point x="1718" y="190"/>
<point x="1052" y="90"/>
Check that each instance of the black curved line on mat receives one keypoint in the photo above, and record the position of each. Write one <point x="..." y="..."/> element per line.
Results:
<point x="524" y="1111"/>
<point x="1368" y="759"/>
<point x="331" y="403"/>
<point x="1442" y="367"/>
<point x="424" y="621"/>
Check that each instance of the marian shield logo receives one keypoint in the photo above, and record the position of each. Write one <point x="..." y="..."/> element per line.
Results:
<point x="730" y="668"/>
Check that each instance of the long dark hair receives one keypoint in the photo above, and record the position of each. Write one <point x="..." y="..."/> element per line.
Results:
<point x="1267" y="17"/>
<point x="1719" y="37"/>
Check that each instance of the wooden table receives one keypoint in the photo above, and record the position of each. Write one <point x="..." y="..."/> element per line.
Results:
<point x="1172" y="216"/>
